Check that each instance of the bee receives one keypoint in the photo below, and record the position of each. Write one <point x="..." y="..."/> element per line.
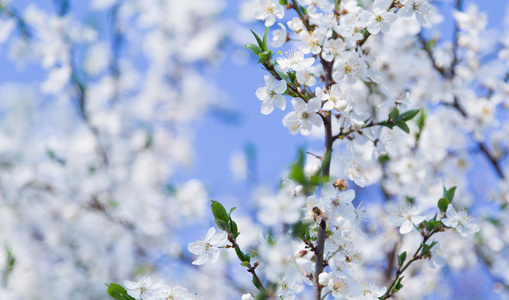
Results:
<point x="318" y="216"/>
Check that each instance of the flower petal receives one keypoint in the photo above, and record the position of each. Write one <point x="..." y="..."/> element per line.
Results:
<point x="314" y="105"/>
<point x="280" y="102"/>
<point x="406" y="227"/>
<point x="315" y="120"/>
<point x="298" y="104"/>
<point x="267" y="107"/>
<point x="280" y="87"/>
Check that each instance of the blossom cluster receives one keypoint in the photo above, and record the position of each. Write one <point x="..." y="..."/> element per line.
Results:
<point x="147" y="289"/>
<point x="398" y="112"/>
<point x="90" y="142"/>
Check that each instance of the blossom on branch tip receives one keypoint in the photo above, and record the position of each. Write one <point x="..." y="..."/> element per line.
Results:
<point x="294" y="60"/>
<point x="461" y="221"/>
<point x="144" y="288"/>
<point x="286" y="208"/>
<point x="435" y="260"/>
<point x="287" y="289"/>
<point x="312" y="42"/>
<point x="379" y="19"/>
<point x="272" y="94"/>
<point x="304" y="116"/>
<point x="371" y="291"/>
<point x="420" y="8"/>
<point x="340" y="287"/>
<point x="406" y="216"/>
<point x="349" y="68"/>
<point x="395" y="97"/>
<point x="339" y="203"/>
<point x="207" y="248"/>
<point x="279" y="36"/>
<point x="354" y="171"/>
<point x="268" y="10"/>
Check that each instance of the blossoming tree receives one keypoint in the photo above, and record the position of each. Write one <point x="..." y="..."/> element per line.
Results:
<point x="395" y="107"/>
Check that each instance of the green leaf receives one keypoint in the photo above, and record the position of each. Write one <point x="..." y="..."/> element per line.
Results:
<point x="442" y="204"/>
<point x="10" y="259"/>
<point x="431" y="225"/>
<point x="398" y="285"/>
<point x="384" y="158"/>
<point x="222" y="225"/>
<point x="116" y="291"/>
<point x="425" y="250"/>
<point x="292" y="76"/>
<point x="234" y="229"/>
<point x="258" y="40"/>
<point x="244" y="263"/>
<point x="403" y="126"/>
<point x="264" y="47"/>
<point x="265" y="56"/>
<point x="408" y="115"/>
<point x="300" y="230"/>
<point x="261" y="295"/>
<point x="421" y="121"/>
<point x="387" y="124"/>
<point x="253" y="48"/>
<point x="255" y="282"/>
<point x="297" y="169"/>
<point x="219" y="212"/>
<point x="449" y="194"/>
<point x="283" y="2"/>
<point x="231" y="210"/>
<point x="240" y="254"/>
<point x="394" y="115"/>
<point x="401" y="258"/>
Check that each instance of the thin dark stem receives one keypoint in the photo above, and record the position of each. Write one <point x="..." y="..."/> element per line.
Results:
<point x="250" y="268"/>
<point x="294" y="89"/>
<point x="301" y="16"/>
<point x="491" y="158"/>
<point x="343" y="134"/>
<point x="414" y="258"/>
<point x="326" y="161"/>
<point x="319" y="250"/>
<point x="441" y="70"/>
<point x="494" y="162"/>
<point x="11" y="12"/>
<point x="456" y="41"/>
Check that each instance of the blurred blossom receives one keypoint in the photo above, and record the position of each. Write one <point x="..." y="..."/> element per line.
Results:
<point x="206" y="249"/>
<point x="238" y="165"/>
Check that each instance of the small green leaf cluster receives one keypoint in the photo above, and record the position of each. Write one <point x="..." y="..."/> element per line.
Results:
<point x="118" y="292"/>
<point x="444" y="202"/>
<point x="225" y="223"/>
<point x="395" y="119"/>
<point x="298" y="175"/>
<point x="261" y="49"/>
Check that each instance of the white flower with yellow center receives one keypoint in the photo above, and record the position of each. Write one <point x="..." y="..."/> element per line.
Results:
<point x="304" y="116"/>
<point x="460" y="220"/>
<point x="272" y="94"/>
<point x="207" y="249"/>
